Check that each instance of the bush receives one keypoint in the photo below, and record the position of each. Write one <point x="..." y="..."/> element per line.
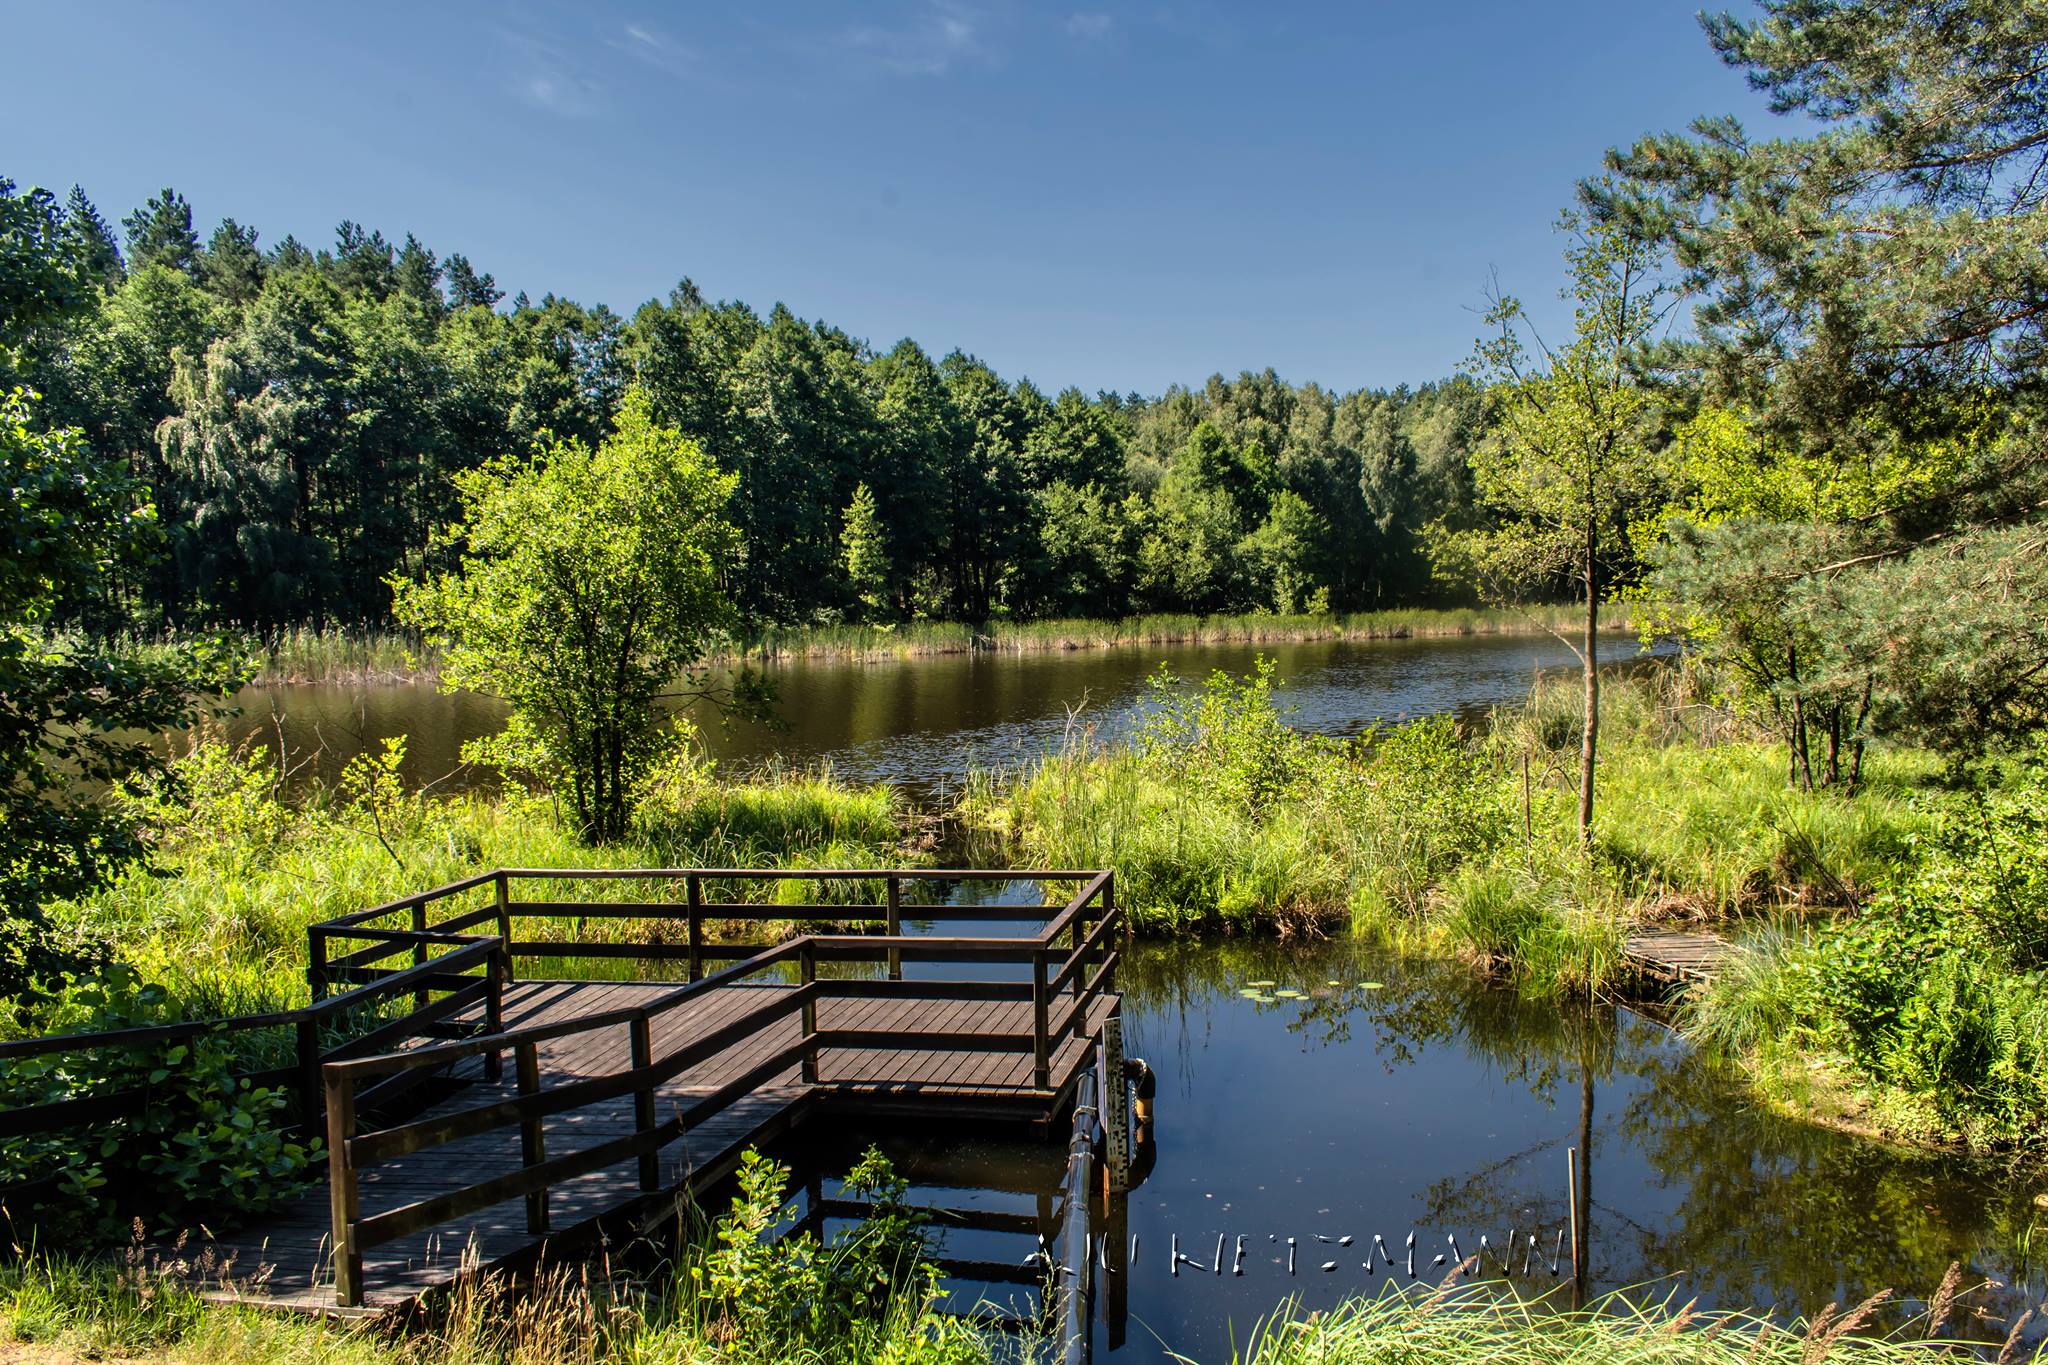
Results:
<point x="208" y="1144"/>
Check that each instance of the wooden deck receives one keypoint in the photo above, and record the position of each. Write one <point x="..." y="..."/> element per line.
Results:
<point x="473" y="1119"/>
<point x="284" y="1259"/>
<point x="1677" y="957"/>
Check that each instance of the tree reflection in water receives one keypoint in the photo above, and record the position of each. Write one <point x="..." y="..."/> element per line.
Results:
<point x="1694" y="1189"/>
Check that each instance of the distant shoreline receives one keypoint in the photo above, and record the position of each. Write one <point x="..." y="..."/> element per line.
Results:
<point x="310" y="657"/>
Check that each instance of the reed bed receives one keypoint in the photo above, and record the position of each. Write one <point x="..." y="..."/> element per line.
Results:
<point x="1478" y="1323"/>
<point x="912" y="639"/>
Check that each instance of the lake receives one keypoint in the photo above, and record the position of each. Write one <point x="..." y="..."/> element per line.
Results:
<point x="924" y="723"/>
<point x="1429" y="1102"/>
<point x="1435" y="1104"/>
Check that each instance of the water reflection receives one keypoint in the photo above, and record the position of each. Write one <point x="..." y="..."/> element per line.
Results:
<point x="924" y="723"/>
<point x="1433" y="1104"/>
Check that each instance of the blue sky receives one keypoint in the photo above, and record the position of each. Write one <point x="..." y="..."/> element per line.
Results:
<point x="1111" y="195"/>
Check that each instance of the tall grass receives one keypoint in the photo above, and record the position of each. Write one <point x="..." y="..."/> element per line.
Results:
<point x="1462" y="844"/>
<point x="73" y="1309"/>
<point x="238" y="872"/>
<point x="912" y="638"/>
<point x="1474" y="1324"/>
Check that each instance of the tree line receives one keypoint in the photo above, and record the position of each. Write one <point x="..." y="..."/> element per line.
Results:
<point x="300" y="415"/>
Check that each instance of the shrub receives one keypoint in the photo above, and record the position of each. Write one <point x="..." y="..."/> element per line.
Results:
<point x="208" y="1143"/>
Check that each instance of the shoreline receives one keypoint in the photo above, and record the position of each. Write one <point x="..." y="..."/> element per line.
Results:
<point x="339" y="658"/>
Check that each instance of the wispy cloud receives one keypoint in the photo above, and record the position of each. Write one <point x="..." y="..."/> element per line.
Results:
<point x="648" y="44"/>
<point x="929" y="43"/>
<point x="1088" y="26"/>
<point x="549" y="77"/>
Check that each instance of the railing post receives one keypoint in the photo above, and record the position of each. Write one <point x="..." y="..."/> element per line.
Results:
<point x="807" y="973"/>
<point x="1116" y="1105"/>
<point x="895" y="926"/>
<point x="643" y="1098"/>
<point x="496" y="968"/>
<point x="532" y="1138"/>
<point x="341" y="1189"/>
<point x="316" y="962"/>
<point x="1109" y="902"/>
<point x="504" y="896"/>
<point x="419" y="950"/>
<point x="695" y="886"/>
<point x="1041" y="1046"/>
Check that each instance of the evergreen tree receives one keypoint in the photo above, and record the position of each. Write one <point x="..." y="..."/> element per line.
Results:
<point x="232" y="267"/>
<point x="863" y="554"/>
<point x="92" y="239"/>
<point x="160" y="233"/>
<point x="467" y="289"/>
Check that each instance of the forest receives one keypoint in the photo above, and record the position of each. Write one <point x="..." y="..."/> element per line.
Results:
<point x="298" y="414"/>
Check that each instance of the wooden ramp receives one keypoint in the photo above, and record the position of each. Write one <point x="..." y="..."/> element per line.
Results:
<point x="1677" y="957"/>
<point x="496" y="1120"/>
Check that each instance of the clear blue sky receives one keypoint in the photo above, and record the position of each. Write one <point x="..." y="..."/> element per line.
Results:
<point x="1104" y="194"/>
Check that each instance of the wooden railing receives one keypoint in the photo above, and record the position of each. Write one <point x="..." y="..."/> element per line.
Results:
<point x="1071" y="965"/>
<point x="468" y="975"/>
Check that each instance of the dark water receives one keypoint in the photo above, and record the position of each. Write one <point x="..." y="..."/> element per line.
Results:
<point x="1437" y="1105"/>
<point x="1432" y="1104"/>
<point x="924" y="723"/>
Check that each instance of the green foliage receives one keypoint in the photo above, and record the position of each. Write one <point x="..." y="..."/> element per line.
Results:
<point x="1880" y="561"/>
<point x="239" y="872"/>
<point x="589" y="582"/>
<point x="208" y="1144"/>
<point x="74" y="714"/>
<point x="866" y="1295"/>
<point x="863" y="553"/>
<point x="1936" y="996"/>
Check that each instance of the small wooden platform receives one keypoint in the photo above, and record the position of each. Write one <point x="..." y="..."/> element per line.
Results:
<point x="1677" y="957"/>
<point x="282" y="1259"/>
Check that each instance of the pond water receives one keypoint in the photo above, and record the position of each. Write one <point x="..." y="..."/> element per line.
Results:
<point x="924" y="723"/>
<point x="1427" y="1102"/>
<point x="1433" y="1104"/>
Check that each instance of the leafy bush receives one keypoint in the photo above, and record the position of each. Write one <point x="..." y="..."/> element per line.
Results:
<point x="208" y="1143"/>
<point x="867" y="1295"/>
<point x="1936" y="994"/>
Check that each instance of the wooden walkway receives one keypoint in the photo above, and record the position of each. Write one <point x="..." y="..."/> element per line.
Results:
<point x="473" y="1120"/>
<point x="1677" y="957"/>
<point x="284" y="1259"/>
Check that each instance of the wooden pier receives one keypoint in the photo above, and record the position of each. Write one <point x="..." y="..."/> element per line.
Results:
<point x="1677" y="957"/>
<point x="623" y="1097"/>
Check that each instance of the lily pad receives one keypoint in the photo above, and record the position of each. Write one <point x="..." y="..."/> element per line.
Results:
<point x="1288" y="995"/>
<point x="1372" y="985"/>
<point x="1263" y="983"/>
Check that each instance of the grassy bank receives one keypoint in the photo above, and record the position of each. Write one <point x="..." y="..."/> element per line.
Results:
<point x="307" y="654"/>
<point x="238" y="872"/>
<point x="914" y="638"/>
<point x="60" y="1312"/>
<point x="1217" y="816"/>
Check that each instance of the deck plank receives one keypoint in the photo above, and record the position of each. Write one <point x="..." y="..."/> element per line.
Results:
<point x="280" y="1258"/>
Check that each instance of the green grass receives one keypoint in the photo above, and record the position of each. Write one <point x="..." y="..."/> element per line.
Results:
<point x="80" y="1311"/>
<point x="1420" y="837"/>
<point x="912" y="638"/>
<point x="238" y="873"/>
<point x="1475" y="1324"/>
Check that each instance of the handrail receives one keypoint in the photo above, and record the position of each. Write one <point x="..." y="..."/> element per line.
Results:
<point x="444" y="970"/>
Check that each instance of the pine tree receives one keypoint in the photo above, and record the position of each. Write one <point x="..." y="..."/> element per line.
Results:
<point x="863" y="554"/>
<point x="93" y="239"/>
<point x="467" y="289"/>
<point x="232" y="267"/>
<point x="160" y="233"/>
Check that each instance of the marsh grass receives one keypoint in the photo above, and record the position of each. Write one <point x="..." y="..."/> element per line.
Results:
<point x="1479" y="1323"/>
<point x="910" y="639"/>
<point x="238" y="871"/>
